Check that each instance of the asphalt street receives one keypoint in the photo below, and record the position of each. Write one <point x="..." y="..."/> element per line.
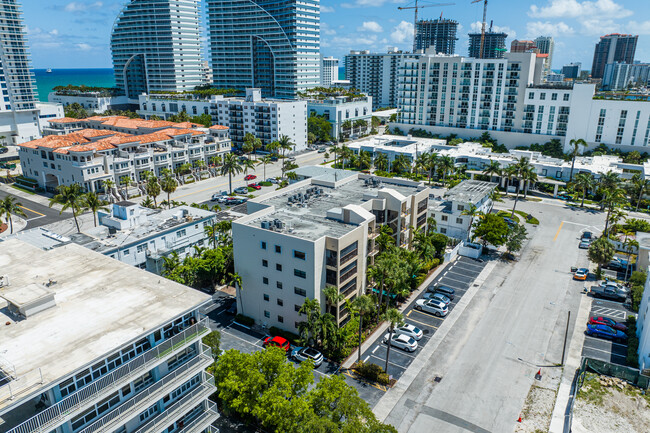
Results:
<point x="37" y="214"/>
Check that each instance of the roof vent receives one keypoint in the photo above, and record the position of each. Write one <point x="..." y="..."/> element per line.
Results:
<point x="29" y="300"/>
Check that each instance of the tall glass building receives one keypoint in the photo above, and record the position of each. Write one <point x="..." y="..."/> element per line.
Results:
<point x="269" y="44"/>
<point x="156" y="46"/>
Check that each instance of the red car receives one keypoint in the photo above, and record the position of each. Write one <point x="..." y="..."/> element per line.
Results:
<point x="250" y="177"/>
<point x="276" y="341"/>
<point x="608" y="322"/>
<point x="254" y="186"/>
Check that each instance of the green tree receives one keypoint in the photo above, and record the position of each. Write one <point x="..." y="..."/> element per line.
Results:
<point x="510" y="172"/>
<point x="523" y="168"/>
<point x="320" y="127"/>
<point x="493" y="169"/>
<point x="75" y="111"/>
<point x="491" y="229"/>
<point x="529" y="177"/>
<point x="108" y="185"/>
<point x="231" y="166"/>
<point x="361" y="305"/>
<point x="472" y="212"/>
<point x="213" y="341"/>
<point x="168" y="185"/>
<point x="401" y="164"/>
<point x="69" y="197"/>
<point x="446" y="164"/>
<point x="639" y="186"/>
<point x="576" y="144"/>
<point x="125" y="181"/>
<point x="612" y="199"/>
<point x="264" y="160"/>
<point x="9" y="206"/>
<point x="381" y="162"/>
<point x="203" y="119"/>
<point x="395" y="319"/>
<point x="431" y="164"/>
<point x="180" y="117"/>
<point x="333" y="298"/>
<point x="584" y="182"/>
<point x="152" y="188"/>
<point x="515" y="239"/>
<point x="93" y="203"/>
<point x="309" y="327"/>
<point x="601" y="251"/>
<point x="379" y="273"/>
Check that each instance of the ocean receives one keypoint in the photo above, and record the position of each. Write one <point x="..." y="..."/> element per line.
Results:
<point x="62" y="77"/>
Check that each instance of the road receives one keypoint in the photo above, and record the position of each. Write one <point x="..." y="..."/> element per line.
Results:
<point x="513" y="326"/>
<point x="37" y="214"/>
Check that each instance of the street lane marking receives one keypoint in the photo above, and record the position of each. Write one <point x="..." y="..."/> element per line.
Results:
<point x="32" y="211"/>
<point x="373" y="350"/>
<point x="35" y="218"/>
<point x="558" y="231"/>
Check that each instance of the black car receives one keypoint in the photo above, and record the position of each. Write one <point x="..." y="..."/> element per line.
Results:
<point x="4" y="149"/>
<point x="444" y="290"/>
<point x="586" y="236"/>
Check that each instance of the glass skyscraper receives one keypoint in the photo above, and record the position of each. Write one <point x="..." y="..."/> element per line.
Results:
<point x="156" y="46"/>
<point x="270" y="44"/>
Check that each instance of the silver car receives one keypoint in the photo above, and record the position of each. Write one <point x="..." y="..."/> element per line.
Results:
<point x="437" y="297"/>
<point x="302" y="354"/>
<point x="402" y="341"/>
<point x="410" y="331"/>
<point x="433" y="307"/>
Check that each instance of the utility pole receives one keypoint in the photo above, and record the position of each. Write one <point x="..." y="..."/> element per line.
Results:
<point x="415" y="18"/>
<point x="480" y="54"/>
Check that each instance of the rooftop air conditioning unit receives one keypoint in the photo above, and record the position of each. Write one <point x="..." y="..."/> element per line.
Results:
<point x="265" y="225"/>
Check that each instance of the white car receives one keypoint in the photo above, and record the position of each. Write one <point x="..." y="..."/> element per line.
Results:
<point x="437" y="297"/>
<point x="272" y="180"/>
<point x="402" y="341"/>
<point x="302" y="354"/>
<point x="431" y="306"/>
<point x="410" y="331"/>
<point x="241" y="190"/>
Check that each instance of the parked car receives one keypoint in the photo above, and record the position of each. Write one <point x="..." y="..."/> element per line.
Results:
<point x="581" y="274"/>
<point x="586" y="236"/>
<point x="510" y="221"/>
<point x="233" y="201"/>
<point x="277" y="341"/>
<point x="302" y="354"/>
<point x="4" y="149"/>
<point x="604" y="331"/>
<point x="410" y="331"/>
<point x="218" y="196"/>
<point x="272" y="180"/>
<point x="600" y="320"/>
<point x="402" y="341"/>
<point x="322" y="150"/>
<point x="616" y="264"/>
<point x="250" y="177"/>
<point x="606" y="292"/>
<point x="563" y="195"/>
<point x="292" y="158"/>
<point x="437" y="296"/>
<point x="612" y="285"/>
<point x="584" y="245"/>
<point x="432" y="307"/>
<point x="255" y="186"/>
<point x="447" y="291"/>
<point x="241" y="190"/>
<point x="232" y="310"/>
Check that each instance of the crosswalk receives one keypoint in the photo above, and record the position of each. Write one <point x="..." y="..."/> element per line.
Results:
<point x="609" y="312"/>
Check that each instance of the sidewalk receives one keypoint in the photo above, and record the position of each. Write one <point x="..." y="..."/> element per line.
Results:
<point x="36" y="198"/>
<point x="570" y="367"/>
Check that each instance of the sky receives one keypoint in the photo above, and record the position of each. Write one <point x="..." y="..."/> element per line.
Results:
<point x="76" y="34"/>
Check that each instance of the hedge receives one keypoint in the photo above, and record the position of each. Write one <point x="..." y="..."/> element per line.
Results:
<point x="372" y="372"/>
<point x="244" y="320"/>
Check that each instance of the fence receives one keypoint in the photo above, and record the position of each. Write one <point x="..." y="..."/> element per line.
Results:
<point x="628" y="374"/>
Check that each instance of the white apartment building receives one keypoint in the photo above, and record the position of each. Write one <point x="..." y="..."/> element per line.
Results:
<point x="643" y="320"/>
<point x="375" y="74"/>
<point x="318" y="232"/>
<point x="98" y="148"/>
<point x="135" y="235"/>
<point x="329" y="71"/>
<point x="92" y="344"/>
<point x="618" y="76"/>
<point x="337" y="110"/>
<point x="394" y="145"/>
<point x="266" y="119"/>
<point x="93" y="102"/>
<point x="448" y="210"/>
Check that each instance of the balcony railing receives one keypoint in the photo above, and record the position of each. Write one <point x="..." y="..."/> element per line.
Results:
<point x="147" y="396"/>
<point x="208" y="416"/>
<point x="57" y="413"/>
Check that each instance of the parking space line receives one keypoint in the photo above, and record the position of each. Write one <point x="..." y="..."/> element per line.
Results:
<point x="391" y="363"/>
<point x="366" y="358"/>
<point x="472" y="264"/>
<point x="605" y="351"/>
<point x="607" y="341"/>
<point x="373" y="350"/>
<point x="239" y="338"/>
<point x="466" y="275"/>
<point x="418" y="322"/>
<point x="402" y="352"/>
<point x="431" y="316"/>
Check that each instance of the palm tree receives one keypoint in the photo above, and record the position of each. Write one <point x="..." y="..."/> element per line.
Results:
<point x="395" y="319"/>
<point x="9" y="206"/>
<point x="522" y="165"/>
<point x="346" y="126"/>
<point x="510" y="173"/>
<point x="266" y="159"/>
<point x="612" y="198"/>
<point x="335" y="150"/>
<point x="361" y="305"/>
<point x="231" y="166"/>
<point x="215" y="160"/>
<point x="126" y="182"/>
<point x="364" y="160"/>
<point x="446" y="164"/>
<point x="153" y="188"/>
<point x="576" y="149"/>
<point x="168" y="184"/>
<point x="381" y="162"/>
<point x="148" y="203"/>
<point x="529" y="177"/>
<point x="108" y="185"/>
<point x="385" y="238"/>
<point x="401" y="163"/>
<point x="493" y="169"/>
<point x="345" y="153"/>
<point x="309" y="327"/>
<point x="211" y="232"/>
<point x="285" y="144"/>
<point x="640" y="183"/>
<point x="472" y="212"/>
<point x="234" y="280"/>
<point x="379" y="273"/>
<point x="431" y="164"/>
<point x="69" y="197"/>
<point x="333" y="298"/>
<point x="247" y="164"/>
<point x="601" y="252"/>
<point x="326" y="328"/>
<point x="92" y="203"/>
<point x="584" y="182"/>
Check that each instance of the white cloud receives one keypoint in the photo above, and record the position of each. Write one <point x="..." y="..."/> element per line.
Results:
<point x="82" y="7"/>
<point x="575" y="9"/>
<point x="371" y="26"/>
<point x="326" y="9"/>
<point x="402" y="32"/>
<point x="83" y="46"/>
<point x="547" y="28"/>
<point x="475" y="27"/>
<point x="638" y="28"/>
<point x="326" y="29"/>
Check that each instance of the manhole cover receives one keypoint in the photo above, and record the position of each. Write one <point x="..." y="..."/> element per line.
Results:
<point x="437" y="379"/>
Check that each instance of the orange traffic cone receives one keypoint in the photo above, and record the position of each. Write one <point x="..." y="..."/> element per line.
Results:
<point x="538" y="375"/>
<point x="519" y="419"/>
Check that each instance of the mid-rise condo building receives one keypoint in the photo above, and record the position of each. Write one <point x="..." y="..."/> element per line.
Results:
<point x="546" y="45"/>
<point x="316" y="233"/>
<point x="156" y="46"/>
<point x="439" y="34"/>
<point x="329" y="71"/>
<point x="91" y="344"/>
<point x="273" y="45"/>
<point x="572" y="70"/>
<point x="618" y="76"/>
<point x="345" y="114"/>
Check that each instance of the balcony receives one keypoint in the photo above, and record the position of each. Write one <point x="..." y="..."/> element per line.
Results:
<point x="58" y="413"/>
<point x="203" y="421"/>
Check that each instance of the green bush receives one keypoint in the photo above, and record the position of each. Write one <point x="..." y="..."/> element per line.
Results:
<point x="637" y="225"/>
<point x="293" y="338"/>
<point x="372" y="372"/>
<point x="266" y="183"/>
<point x="244" y="320"/>
<point x="632" y="358"/>
<point x="383" y="379"/>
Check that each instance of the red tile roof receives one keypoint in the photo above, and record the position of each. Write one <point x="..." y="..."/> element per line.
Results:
<point x="219" y="127"/>
<point x="65" y="120"/>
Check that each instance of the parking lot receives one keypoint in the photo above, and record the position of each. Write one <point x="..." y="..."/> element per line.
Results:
<point x="602" y="349"/>
<point x="459" y="275"/>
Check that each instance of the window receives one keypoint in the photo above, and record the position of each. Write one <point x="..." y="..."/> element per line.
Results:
<point x="181" y="233"/>
<point x="265" y="280"/>
<point x="300" y="274"/>
<point x="278" y="284"/>
<point x="278" y="249"/>
<point x="266" y="297"/>
<point x="126" y="252"/>
<point x="461" y="207"/>
<point x="296" y="307"/>
<point x="278" y="267"/>
<point x="267" y="314"/>
<point x="531" y="95"/>
<point x="265" y="263"/>
<point x="565" y="97"/>
<point x="444" y="218"/>
<point x="280" y="319"/>
<point x="542" y="96"/>
<point x="280" y="302"/>
<point x="553" y="96"/>
<point x="459" y="220"/>
<point x="299" y="255"/>
<point x="263" y="245"/>
<point x="299" y="291"/>
<point x="443" y="230"/>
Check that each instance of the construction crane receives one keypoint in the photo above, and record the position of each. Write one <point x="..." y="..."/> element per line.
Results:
<point x="415" y="19"/>
<point x="480" y="54"/>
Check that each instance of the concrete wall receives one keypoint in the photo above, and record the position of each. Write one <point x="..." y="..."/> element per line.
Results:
<point x="643" y="326"/>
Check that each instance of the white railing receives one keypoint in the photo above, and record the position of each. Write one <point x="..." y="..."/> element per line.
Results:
<point x="207" y="416"/>
<point x="149" y="395"/>
<point x="47" y="419"/>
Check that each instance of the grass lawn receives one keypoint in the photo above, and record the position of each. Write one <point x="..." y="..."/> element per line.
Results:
<point x="524" y="215"/>
<point x="20" y="188"/>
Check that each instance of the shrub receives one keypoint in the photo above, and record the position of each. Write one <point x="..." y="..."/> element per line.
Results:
<point x="244" y="320"/>
<point x="266" y="183"/>
<point x="383" y="379"/>
<point x="293" y="338"/>
<point x="637" y="225"/>
<point x="632" y="357"/>
<point x="372" y="372"/>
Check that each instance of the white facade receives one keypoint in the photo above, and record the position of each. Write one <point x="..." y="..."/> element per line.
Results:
<point x="116" y="348"/>
<point x="392" y="146"/>
<point x="329" y="71"/>
<point x="643" y="320"/>
<point x="546" y="45"/>
<point x="338" y="110"/>
<point x="618" y="76"/>
<point x="93" y="102"/>
<point x="316" y="233"/>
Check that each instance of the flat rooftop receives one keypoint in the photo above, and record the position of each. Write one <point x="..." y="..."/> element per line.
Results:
<point x="101" y="304"/>
<point x="399" y="144"/>
<point x="310" y="221"/>
<point x="470" y="191"/>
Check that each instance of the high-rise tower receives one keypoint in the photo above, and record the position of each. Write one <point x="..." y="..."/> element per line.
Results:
<point x="613" y="48"/>
<point x="439" y="33"/>
<point x="494" y="46"/>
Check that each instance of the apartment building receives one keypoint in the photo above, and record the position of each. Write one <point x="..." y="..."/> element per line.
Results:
<point x="92" y="101"/>
<point x="643" y="320"/>
<point x="376" y="75"/>
<point x="138" y="236"/>
<point x="439" y="34"/>
<point x="316" y="233"/>
<point x="329" y="71"/>
<point x="449" y="210"/>
<point x="95" y="149"/>
<point x="522" y="46"/>
<point x="338" y="110"/>
<point x="265" y="118"/>
<point x="572" y="70"/>
<point x="156" y="46"/>
<point x="92" y="344"/>
<point x="618" y="76"/>
<point x="393" y="146"/>
<point x="493" y="45"/>
<point x="273" y="45"/>
<point x="612" y="48"/>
